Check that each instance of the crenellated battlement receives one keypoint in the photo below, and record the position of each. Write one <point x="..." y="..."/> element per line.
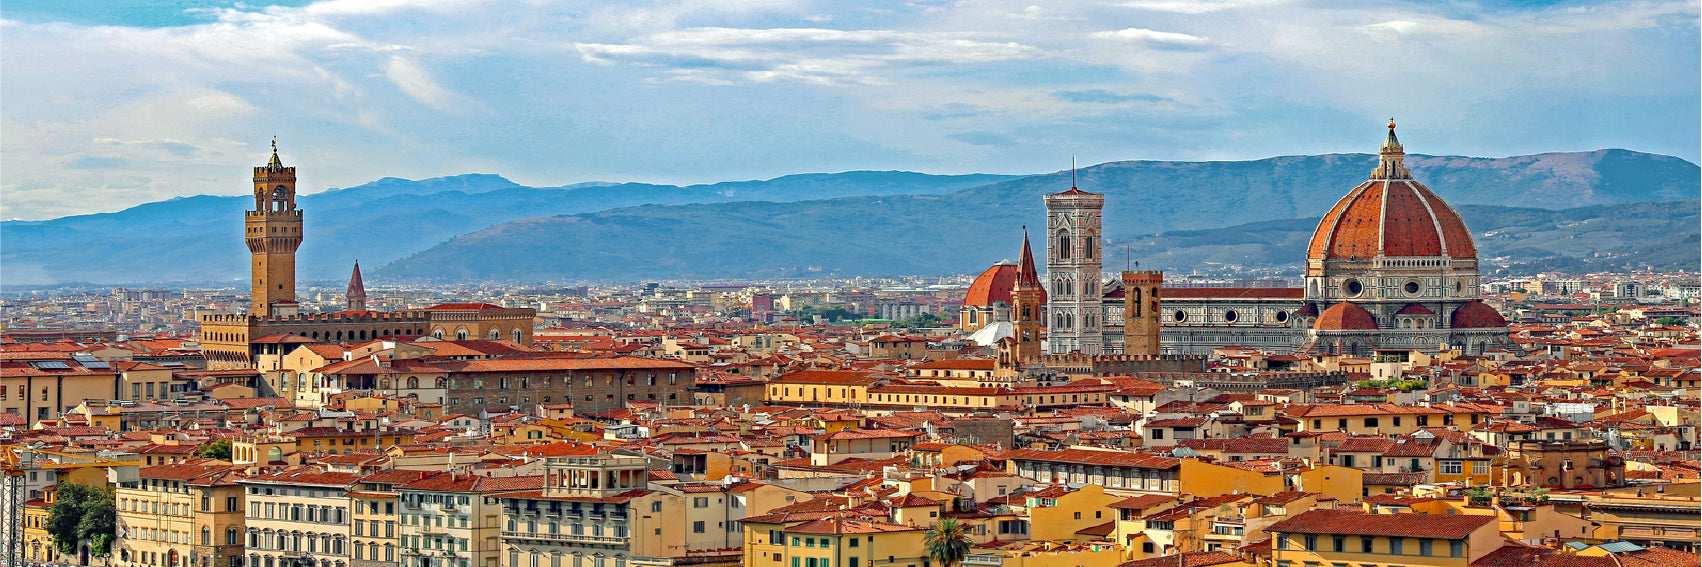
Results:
<point x="323" y="318"/>
<point x="271" y="172"/>
<point x="292" y="214"/>
<point x="1143" y="277"/>
<point x="1075" y="357"/>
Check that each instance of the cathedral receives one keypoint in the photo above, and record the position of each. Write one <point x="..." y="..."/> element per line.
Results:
<point x="274" y="322"/>
<point x="1390" y="266"/>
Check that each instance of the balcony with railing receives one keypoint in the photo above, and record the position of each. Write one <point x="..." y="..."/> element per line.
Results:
<point x="988" y="559"/>
<point x="569" y="538"/>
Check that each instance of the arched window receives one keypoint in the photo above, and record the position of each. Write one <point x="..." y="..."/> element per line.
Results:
<point x="517" y="335"/>
<point x="1062" y="245"/>
<point x="460" y="334"/>
<point x="437" y="333"/>
<point x="413" y="382"/>
<point x="1135" y="293"/>
<point x="495" y="334"/>
<point x="439" y="382"/>
<point x="384" y="383"/>
<point x="1087" y="247"/>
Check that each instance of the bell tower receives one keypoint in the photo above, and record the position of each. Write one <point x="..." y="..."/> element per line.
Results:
<point x="1028" y="301"/>
<point x="1141" y="302"/>
<point x="273" y="232"/>
<point x="1073" y="268"/>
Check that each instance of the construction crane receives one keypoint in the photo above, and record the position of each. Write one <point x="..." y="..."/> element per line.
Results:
<point x="15" y="465"/>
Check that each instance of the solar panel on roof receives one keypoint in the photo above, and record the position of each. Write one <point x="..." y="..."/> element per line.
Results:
<point x="50" y="365"/>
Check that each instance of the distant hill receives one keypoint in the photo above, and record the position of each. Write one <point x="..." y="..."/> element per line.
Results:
<point x="199" y="238"/>
<point x="967" y="230"/>
<point x="862" y="222"/>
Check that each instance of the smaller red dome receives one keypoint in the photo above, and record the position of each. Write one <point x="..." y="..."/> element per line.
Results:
<point x="1477" y="315"/>
<point x="992" y="286"/>
<point x="1308" y="310"/>
<point x="1345" y="317"/>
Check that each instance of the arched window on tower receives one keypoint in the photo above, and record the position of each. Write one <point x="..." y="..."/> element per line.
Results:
<point x="1136" y="294"/>
<point x="1063" y="245"/>
<point x="1087" y="247"/>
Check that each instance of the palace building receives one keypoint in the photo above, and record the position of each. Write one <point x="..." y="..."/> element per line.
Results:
<point x="1391" y="266"/>
<point x="273" y="232"/>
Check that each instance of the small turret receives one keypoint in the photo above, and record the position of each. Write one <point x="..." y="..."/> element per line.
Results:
<point x="355" y="298"/>
<point x="1390" y="161"/>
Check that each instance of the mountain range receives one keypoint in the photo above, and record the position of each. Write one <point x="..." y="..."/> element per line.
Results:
<point x="484" y="227"/>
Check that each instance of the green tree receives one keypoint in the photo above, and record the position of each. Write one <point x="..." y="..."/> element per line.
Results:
<point x="1670" y="321"/>
<point x="81" y="512"/>
<point x="922" y="320"/>
<point x="63" y="516"/>
<point x="946" y="543"/>
<point x="216" y="450"/>
<point x="99" y="523"/>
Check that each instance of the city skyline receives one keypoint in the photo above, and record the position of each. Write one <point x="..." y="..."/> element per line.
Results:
<point x="125" y="103"/>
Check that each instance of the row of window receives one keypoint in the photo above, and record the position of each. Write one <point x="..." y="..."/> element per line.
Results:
<point x="574" y="528"/>
<point x="1395" y="421"/>
<point x="297" y="513"/>
<point x="295" y="541"/>
<point x="1367" y="544"/>
<point x="557" y="560"/>
<point x="372" y="528"/>
<point x="528" y="399"/>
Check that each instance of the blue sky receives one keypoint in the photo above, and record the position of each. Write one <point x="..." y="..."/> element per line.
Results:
<point x="105" y="105"/>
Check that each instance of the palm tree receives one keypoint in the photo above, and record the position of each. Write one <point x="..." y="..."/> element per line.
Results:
<point x="946" y="542"/>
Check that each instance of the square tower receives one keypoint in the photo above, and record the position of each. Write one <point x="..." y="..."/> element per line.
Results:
<point x="273" y="233"/>
<point x="1073" y="256"/>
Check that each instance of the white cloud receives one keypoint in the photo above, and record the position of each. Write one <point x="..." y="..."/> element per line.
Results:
<point x="1146" y="35"/>
<point x="359" y="89"/>
<point x="719" y="55"/>
<point x="1198" y="6"/>
<point x="418" y="84"/>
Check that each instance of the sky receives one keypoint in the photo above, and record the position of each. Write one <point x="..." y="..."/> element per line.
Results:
<point x="109" y="104"/>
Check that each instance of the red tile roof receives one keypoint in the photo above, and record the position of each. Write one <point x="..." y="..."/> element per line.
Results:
<point x="1440" y="526"/>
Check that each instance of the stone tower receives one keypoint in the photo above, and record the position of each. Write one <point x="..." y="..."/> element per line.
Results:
<point x="1028" y="305"/>
<point x="1141" y="325"/>
<point x="1072" y="268"/>
<point x="355" y="298"/>
<point x="273" y="232"/>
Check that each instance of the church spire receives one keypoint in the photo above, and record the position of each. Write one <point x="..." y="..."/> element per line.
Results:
<point x="355" y="298"/>
<point x="1025" y="272"/>
<point x="1390" y="161"/>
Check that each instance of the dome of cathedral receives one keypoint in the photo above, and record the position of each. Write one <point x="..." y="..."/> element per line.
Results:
<point x="1391" y="215"/>
<point x="1476" y="315"/>
<point x="1345" y="317"/>
<point x="993" y="286"/>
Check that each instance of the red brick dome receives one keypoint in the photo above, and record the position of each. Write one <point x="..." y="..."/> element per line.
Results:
<point x="1345" y="317"/>
<point x="995" y="285"/>
<point x="1476" y="315"/>
<point x="1391" y="215"/>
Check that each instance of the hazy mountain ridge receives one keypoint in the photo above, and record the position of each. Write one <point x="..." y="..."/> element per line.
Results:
<point x="199" y="238"/>
<point x="853" y="222"/>
<point x="966" y="230"/>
